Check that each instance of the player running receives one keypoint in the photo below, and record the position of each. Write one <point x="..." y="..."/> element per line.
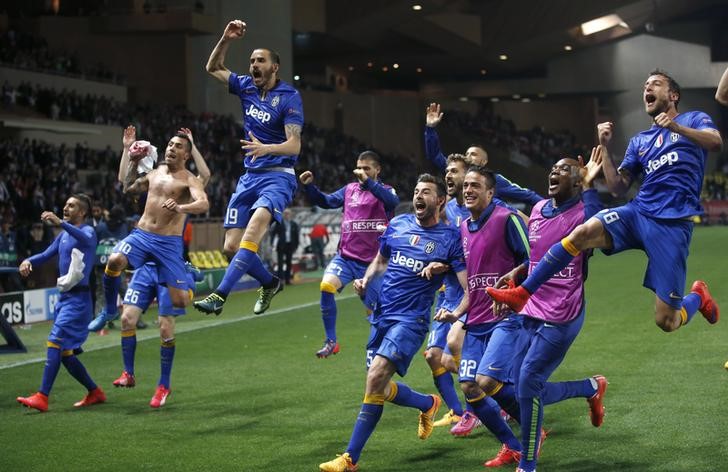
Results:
<point x="411" y="251"/>
<point x="670" y="159"/>
<point x="553" y="317"/>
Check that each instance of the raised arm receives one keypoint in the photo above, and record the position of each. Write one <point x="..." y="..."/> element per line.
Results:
<point x="618" y="182"/>
<point x="127" y="140"/>
<point x="216" y="62"/>
<point x="317" y="197"/>
<point x="203" y="172"/>
<point x="722" y="93"/>
<point x="433" y="116"/>
<point x="385" y="195"/>
<point x="133" y="183"/>
<point x="590" y="171"/>
<point x="26" y="267"/>
<point x="707" y="138"/>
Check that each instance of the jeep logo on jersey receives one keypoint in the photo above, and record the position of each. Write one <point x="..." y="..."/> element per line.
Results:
<point x="670" y="158"/>
<point x="274" y="102"/>
<point x="408" y="262"/>
<point x="260" y="115"/>
<point x="414" y="240"/>
<point x="429" y="247"/>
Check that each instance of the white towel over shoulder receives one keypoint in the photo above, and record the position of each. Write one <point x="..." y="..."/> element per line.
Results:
<point x="75" y="272"/>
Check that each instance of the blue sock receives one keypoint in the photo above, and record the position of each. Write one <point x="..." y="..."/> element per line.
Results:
<point x="489" y="414"/>
<point x="506" y="398"/>
<point x="128" y="349"/>
<point x="111" y="286"/>
<point x="328" y="314"/>
<point x="531" y="420"/>
<point x="78" y="371"/>
<point x="552" y="262"/>
<point x="366" y="421"/>
<point x="405" y="396"/>
<point x="557" y="391"/>
<point x="166" y="355"/>
<point x="446" y="386"/>
<point x="245" y="262"/>
<point x="50" y="371"/>
<point x="690" y="303"/>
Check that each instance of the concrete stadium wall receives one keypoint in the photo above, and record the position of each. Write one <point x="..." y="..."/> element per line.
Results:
<point x="62" y="132"/>
<point x="60" y="82"/>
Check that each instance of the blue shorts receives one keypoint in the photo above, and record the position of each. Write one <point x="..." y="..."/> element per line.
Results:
<point x="141" y="247"/>
<point x="545" y="347"/>
<point x="72" y="314"/>
<point x="144" y="287"/>
<point x="666" y="243"/>
<point x="346" y="269"/>
<point x="490" y="349"/>
<point x="438" y="334"/>
<point x="273" y="190"/>
<point x="398" y="341"/>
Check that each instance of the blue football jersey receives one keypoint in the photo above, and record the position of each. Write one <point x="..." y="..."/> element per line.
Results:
<point x="455" y="213"/>
<point x="671" y="166"/>
<point x="405" y="295"/>
<point x="267" y="118"/>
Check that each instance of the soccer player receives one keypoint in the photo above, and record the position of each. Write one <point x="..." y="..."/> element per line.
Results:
<point x="722" y="93"/>
<point x="494" y="242"/>
<point x="555" y="314"/>
<point x="75" y="247"/>
<point x="143" y="288"/>
<point x="475" y="154"/>
<point x="368" y="206"/>
<point x="272" y="122"/>
<point x="412" y="251"/>
<point x="670" y="159"/>
<point x="172" y="193"/>
<point x="437" y="353"/>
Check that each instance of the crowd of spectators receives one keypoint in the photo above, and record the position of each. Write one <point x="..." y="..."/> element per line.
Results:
<point x="537" y="145"/>
<point x="35" y="175"/>
<point x="715" y="184"/>
<point x="24" y="50"/>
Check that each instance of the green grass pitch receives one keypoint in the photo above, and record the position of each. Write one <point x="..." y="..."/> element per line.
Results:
<point x="248" y="393"/>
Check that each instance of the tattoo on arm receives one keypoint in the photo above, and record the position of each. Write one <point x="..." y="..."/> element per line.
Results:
<point x="293" y="131"/>
<point x="139" y="185"/>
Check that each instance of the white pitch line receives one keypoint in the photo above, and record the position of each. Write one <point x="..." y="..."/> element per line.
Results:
<point x="184" y="329"/>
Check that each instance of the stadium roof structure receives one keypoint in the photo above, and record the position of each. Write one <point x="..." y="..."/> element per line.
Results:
<point x="400" y="43"/>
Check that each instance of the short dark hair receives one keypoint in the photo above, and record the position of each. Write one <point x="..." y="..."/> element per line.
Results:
<point x="186" y="138"/>
<point x="455" y="157"/>
<point x="485" y="172"/>
<point x="371" y="155"/>
<point x="85" y="200"/>
<point x="275" y="58"/>
<point x="672" y="84"/>
<point x="431" y="179"/>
